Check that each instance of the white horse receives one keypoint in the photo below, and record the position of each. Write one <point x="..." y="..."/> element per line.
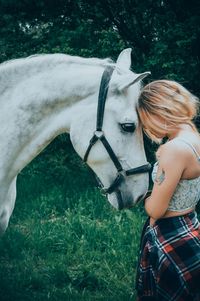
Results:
<point x="45" y="95"/>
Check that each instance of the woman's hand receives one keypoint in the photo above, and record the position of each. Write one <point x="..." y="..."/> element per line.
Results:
<point x="152" y="221"/>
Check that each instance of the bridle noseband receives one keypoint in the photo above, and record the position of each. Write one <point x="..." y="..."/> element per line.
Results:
<point x="99" y="136"/>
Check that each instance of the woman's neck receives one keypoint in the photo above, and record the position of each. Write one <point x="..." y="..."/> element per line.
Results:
<point x="183" y="128"/>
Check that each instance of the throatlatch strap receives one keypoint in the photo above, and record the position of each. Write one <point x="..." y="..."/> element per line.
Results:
<point x="93" y="140"/>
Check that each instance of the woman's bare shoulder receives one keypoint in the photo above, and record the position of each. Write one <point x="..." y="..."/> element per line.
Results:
<point x="171" y="151"/>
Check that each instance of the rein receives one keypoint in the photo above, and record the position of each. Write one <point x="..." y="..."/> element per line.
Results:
<point x="99" y="136"/>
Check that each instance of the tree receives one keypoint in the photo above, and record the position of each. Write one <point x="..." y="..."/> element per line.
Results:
<point x="164" y="34"/>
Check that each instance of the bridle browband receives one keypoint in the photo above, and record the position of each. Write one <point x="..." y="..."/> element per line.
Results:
<point x="99" y="135"/>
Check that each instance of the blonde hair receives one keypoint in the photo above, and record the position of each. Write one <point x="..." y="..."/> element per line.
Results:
<point x="164" y="105"/>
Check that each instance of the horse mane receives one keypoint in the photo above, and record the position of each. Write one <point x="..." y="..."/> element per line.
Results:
<point x="55" y="58"/>
<point x="12" y="70"/>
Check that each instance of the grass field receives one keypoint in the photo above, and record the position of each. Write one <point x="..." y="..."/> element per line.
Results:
<point x="66" y="242"/>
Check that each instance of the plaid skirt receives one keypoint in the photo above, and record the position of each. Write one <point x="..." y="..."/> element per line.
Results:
<point x="169" y="260"/>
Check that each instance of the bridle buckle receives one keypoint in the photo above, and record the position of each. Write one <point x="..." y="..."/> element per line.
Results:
<point x="122" y="173"/>
<point x="98" y="133"/>
<point x="103" y="191"/>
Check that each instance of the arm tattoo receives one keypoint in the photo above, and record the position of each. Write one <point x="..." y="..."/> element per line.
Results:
<point x="160" y="177"/>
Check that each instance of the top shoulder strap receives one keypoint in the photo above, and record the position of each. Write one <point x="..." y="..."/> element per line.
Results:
<point x="191" y="146"/>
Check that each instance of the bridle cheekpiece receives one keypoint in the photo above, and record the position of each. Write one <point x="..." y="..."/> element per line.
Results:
<point x="99" y="136"/>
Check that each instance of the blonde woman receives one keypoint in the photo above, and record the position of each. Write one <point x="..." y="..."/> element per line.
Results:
<point x="169" y="261"/>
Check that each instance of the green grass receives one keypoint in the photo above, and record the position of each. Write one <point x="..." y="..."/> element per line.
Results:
<point x="66" y="242"/>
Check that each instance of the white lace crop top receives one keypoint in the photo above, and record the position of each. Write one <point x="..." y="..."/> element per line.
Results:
<point x="187" y="192"/>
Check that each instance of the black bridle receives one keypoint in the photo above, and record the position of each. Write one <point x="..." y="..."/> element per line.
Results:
<point x="99" y="135"/>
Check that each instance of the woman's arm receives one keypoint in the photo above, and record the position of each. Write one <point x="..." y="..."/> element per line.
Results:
<point x="171" y="166"/>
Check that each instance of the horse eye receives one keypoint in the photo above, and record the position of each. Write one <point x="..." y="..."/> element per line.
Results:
<point x="128" y="127"/>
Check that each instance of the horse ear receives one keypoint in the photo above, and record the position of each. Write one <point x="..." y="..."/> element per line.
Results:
<point x="130" y="79"/>
<point x="124" y="59"/>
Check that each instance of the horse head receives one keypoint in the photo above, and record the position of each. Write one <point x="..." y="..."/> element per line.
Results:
<point x="110" y="138"/>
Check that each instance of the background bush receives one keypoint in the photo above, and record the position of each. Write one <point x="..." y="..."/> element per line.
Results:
<point x="65" y="242"/>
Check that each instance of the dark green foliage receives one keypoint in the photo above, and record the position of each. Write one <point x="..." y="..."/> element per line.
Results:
<point x="64" y="242"/>
<point x="164" y="35"/>
<point x="82" y="250"/>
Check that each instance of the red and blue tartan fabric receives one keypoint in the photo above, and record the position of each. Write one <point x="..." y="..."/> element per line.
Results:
<point x="169" y="260"/>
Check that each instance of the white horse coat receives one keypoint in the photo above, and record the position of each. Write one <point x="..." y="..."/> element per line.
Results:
<point x="46" y="95"/>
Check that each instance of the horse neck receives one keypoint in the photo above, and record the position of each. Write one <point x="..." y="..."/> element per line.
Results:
<point x="40" y="104"/>
<point x="15" y="71"/>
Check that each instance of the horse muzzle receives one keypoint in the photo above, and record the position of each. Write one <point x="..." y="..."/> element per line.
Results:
<point x="120" y="200"/>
